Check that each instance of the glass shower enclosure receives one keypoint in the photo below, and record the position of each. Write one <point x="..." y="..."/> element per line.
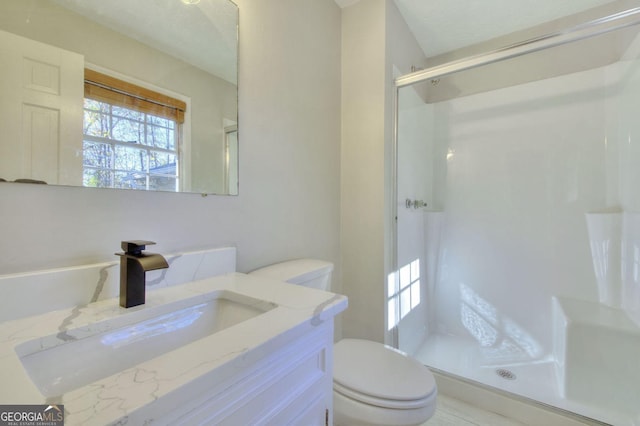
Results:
<point x="517" y="231"/>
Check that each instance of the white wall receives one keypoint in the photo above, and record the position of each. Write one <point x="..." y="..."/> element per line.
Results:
<point x="289" y="130"/>
<point x="363" y="140"/>
<point x="375" y="39"/>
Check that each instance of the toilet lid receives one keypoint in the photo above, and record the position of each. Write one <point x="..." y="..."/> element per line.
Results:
<point x="379" y="373"/>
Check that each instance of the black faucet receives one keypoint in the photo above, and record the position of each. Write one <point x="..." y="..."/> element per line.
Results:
<point x="133" y="265"/>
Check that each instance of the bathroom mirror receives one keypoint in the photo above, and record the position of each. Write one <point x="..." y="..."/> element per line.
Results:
<point x="120" y="94"/>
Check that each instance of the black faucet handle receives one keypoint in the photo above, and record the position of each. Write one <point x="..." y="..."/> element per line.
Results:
<point x="135" y="246"/>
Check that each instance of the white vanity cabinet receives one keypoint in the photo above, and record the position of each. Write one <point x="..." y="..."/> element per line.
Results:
<point x="290" y="384"/>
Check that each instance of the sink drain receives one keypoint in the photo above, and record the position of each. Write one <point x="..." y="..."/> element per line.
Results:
<point x="505" y="374"/>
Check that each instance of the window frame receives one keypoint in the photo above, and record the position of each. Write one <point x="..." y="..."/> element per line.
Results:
<point x="143" y="93"/>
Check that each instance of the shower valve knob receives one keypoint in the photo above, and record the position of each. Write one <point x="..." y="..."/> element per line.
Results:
<point x="416" y="204"/>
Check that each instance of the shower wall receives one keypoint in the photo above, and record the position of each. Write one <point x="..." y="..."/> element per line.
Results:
<point x="524" y="166"/>
<point x="509" y="176"/>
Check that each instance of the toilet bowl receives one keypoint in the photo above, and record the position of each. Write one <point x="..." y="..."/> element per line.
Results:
<point x="377" y="385"/>
<point x="373" y="384"/>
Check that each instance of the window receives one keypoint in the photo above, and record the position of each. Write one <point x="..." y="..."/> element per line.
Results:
<point x="131" y="135"/>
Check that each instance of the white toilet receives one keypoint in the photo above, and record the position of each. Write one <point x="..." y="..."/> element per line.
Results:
<point x="373" y="384"/>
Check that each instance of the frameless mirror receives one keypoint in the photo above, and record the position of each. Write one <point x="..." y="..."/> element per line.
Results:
<point x="120" y="94"/>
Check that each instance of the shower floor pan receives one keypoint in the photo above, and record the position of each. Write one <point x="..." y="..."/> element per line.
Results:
<point x="542" y="380"/>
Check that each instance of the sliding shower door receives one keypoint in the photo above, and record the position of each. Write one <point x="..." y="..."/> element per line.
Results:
<point x="518" y="225"/>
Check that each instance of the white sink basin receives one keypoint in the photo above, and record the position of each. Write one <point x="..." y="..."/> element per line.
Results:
<point x="78" y="357"/>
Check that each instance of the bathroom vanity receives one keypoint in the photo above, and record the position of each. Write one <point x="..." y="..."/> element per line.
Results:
<point x="228" y="349"/>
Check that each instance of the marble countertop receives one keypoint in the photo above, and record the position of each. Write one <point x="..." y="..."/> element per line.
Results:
<point x="113" y="398"/>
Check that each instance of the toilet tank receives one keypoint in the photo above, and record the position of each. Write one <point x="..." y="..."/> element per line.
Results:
<point x="306" y="272"/>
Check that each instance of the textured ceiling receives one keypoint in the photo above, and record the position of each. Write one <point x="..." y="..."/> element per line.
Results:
<point x="444" y="25"/>
<point x="204" y="35"/>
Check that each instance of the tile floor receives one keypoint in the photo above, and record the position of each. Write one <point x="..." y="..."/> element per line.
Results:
<point x="453" y="412"/>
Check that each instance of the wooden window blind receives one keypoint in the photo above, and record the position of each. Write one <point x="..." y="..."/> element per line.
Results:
<point x="104" y="88"/>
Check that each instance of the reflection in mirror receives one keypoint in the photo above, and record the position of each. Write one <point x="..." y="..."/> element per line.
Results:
<point x="120" y="94"/>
